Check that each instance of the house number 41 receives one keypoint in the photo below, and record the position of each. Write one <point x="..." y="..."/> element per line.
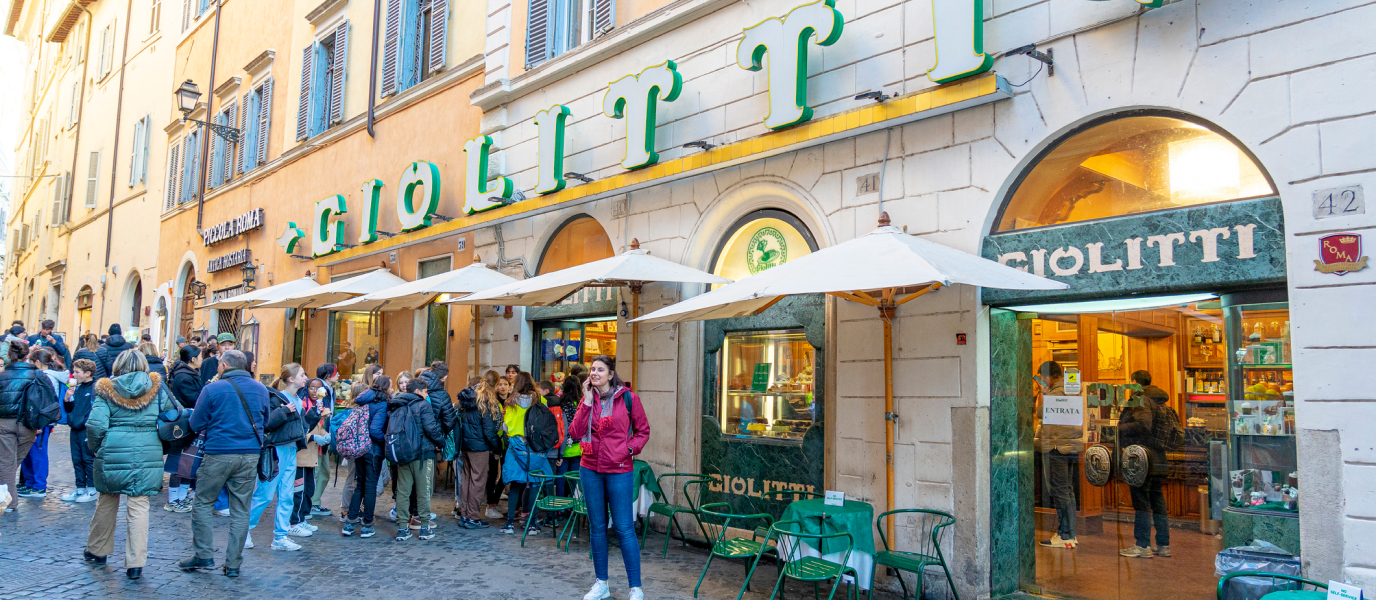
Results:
<point x="1339" y="202"/>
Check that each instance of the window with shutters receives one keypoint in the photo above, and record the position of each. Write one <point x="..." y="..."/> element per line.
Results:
<point x="323" y="71"/>
<point x="92" y="173"/>
<point x="554" y="27"/>
<point x="191" y="167"/>
<point x="174" y="170"/>
<point x="155" y="17"/>
<point x="107" y="50"/>
<point x="257" y="119"/>
<point x="75" y="95"/>
<point x="138" y="154"/>
<point x="221" y="151"/>
<point x="58" y="214"/>
<point x="415" y="43"/>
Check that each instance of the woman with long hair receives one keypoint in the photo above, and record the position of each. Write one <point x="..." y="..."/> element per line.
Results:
<point x="285" y="427"/>
<point x="315" y="407"/>
<point x="357" y="391"/>
<point x="500" y="390"/>
<point x="612" y="427"/>
<point x="364" y="499"/>
<point x="370" y="373"/>
<point x="480" y="419"/>
<point x="123" y="433"/>
<point x="15" y="438"/>
<point x="520" y="461"/>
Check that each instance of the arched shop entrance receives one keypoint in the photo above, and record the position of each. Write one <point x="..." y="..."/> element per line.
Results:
<point x="1148" y="407"/>
<point x="585" y="324"/>
<point x="762" y="410"/>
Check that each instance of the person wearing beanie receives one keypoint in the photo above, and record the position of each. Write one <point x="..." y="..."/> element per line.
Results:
<point x="109" y="350"/>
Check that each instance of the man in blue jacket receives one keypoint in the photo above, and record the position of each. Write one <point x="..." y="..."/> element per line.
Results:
<point x="232" y="443"/>
<point x="45" y="339"/>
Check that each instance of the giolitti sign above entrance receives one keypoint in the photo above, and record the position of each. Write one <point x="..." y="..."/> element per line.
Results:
<point x="958" y="29"/>
<point x="1211" y="248"/>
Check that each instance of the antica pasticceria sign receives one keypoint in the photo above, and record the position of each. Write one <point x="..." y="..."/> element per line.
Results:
<point x="958" y="29"/>
<point x="233" y="259"/>
<point x="244" y="223"/>
<point x="1205" y="248"/>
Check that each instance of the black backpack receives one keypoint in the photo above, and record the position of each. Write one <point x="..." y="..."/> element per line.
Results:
<point x="542" y="428"/>
<point x="40" y="406"/>
<point x="405" y="441"/>
<point x="1166" y="430"/>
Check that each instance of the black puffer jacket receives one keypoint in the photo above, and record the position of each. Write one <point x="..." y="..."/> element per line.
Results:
<point x="86" y="354"/>
<point x="14" y="382"/>
<point x="284" y="426"/>
<point x="185" y="383"/>
<point x="155" y="365"/>
<point x="107" y="353"/>
<point x="440" y="402"/>
<point x="419" y="409"/>
<point x="477" y="432"/>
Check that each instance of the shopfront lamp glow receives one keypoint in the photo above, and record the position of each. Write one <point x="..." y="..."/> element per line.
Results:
<point x="1202" y="169"/>
<point x="187" y="95"/>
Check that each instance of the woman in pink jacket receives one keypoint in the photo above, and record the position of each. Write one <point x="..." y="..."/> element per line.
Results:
<point x="612" y="427"/>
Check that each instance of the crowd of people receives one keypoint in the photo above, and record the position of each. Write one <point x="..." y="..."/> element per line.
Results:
<point x="198" y="421"/>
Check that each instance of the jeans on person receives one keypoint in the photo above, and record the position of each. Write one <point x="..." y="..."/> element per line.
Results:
<point x="235" y="475"/>
<point x="301" y="501"/>
<point x="83" y="460"/>
<point x="569" y="464"/>
<point x="1061" y="490"/>
<point x="1149" y="506"/>
<point x="364" y="500"/>
<point x="415" y="482"/>
<point x="474" y="485"/>
<point x="521" y="496"/>
<point x="281" y="487"/>
<point x="611" y="490"/>
<point x="34" y="469"/>
<point x="15" y="440"/>
<point x="322" y="478"/>
<point x="222" y="501"/>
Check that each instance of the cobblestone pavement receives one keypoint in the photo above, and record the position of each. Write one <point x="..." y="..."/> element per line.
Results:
<point x="41" y="544"/>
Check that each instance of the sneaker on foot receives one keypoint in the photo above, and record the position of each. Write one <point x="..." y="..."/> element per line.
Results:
<point x="89" y="495"/>
<point x="426" y="533"/>
<point x="167" y="507"/>
<point x="493" y="514"/>
<point x="182" y="506"/>
<point x="313" y="528"/>
<point x="1162" y="551"/>
<point x="508" y="529"/>
<point x="403" y="534"/>
<point x="348" y="530"/>
<point x="413" y="523"/>
<point x="1136" y="552"/>
<point x="432" y="516"/>
<point x="599" y="591"/>
<point x="248" y="542"/>
<point x="283" y="543"/>
<point x="367" y="532"/>
<point x="320" y="511"/>
<point x="72" y="495"/>
<point x="393" y="515"/>
<point x="533" y="530"/>
<point x="1057" y="541"/>
<point x="223" y="512"/>
<point x="33" y="493"/>
<point x="299" y="530"/>
<point x="637" y="594"/>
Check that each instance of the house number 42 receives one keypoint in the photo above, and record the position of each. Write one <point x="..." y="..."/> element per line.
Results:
<point x="1339" y="202"/>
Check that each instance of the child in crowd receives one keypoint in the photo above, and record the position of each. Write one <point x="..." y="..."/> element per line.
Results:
<point x="78" y="406"/>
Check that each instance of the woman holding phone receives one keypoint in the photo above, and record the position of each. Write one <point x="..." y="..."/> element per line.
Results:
<point x="612" y="429"/>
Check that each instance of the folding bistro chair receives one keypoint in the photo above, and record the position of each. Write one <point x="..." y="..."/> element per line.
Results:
<point x="928" y="551"/>
<point x="798" y="566"/>
<point x="578" y="510"/>
<point x="551" y="504"/>
<point x="692" y="492"/>
<point x="716" y="522"/>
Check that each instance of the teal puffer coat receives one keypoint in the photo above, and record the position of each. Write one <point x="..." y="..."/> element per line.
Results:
<point x="123" y="433"/>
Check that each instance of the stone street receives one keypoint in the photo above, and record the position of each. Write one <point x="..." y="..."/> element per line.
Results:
<point x="41" y="544"/>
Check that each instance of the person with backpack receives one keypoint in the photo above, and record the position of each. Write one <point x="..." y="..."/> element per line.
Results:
<point x="123" y="433"/>
<point x="34" y="468"/>
<point x="78" y="406"/>
<point x="1149" y="426"/>
<point x="495" y="484"/>
<point x="285" y="427"/>
<point x="527" y="443"/>
<point x="413" y="434"/>
<point x="369" y="417"/>
<point x="357" y="391"/>
<point x="109" y="350"/>
<point x="315" y="405"/>
<point x="612" y="424"/>
<point x="15" y="392"/>
<point x="480" y="420"/>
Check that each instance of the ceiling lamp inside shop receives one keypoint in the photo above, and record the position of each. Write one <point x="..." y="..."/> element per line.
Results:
<point x="1132" y="165"/>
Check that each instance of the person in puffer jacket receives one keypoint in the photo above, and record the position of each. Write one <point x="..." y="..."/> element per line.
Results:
<point x="285" y="427"/>
<point x="108" y="351"/>
<point x="415" y="478"/>
<point x="15" y="438"/>
<point x="123" y="433"/>
<point x="435" y="378"/>
<point x="363" y="501"/>
<point x="480" y="419"/>
<point x="78" y="404"/>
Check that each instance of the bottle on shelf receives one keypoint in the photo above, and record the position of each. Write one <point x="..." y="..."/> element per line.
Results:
<point x="1217" y="335"/>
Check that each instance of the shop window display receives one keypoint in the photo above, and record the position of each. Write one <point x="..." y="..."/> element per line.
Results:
<point x="767" y="385"/>
<point x="564" y="343"/>
<point x="354" y="343"/>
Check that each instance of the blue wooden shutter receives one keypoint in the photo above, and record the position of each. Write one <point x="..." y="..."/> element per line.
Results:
<point x="439" y="34"/>
<point x="389" y="48"/>
<point x="231" y="120"/>
<point x="603" y="16"/>
<point x="303" y="113"/>
<point x="341" y="57"/>
<point x="173" y="176"/>
<point x="538" y="45"/>
<point x="244" y="138"/>
<point x="264" y="121"/>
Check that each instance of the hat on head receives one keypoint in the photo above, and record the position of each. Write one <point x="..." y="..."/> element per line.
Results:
<point x="181" y="339"/>
<point x="115" y="329"/>
<point x="226" y="337"/>
<point x="17" y="330"/>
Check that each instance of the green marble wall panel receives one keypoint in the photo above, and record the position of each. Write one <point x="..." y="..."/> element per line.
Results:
<point x="1242" y="528"/>
<point x="743" y="469"/>
<point x="1118" y="256"/>
<point x="1012" y="520"/>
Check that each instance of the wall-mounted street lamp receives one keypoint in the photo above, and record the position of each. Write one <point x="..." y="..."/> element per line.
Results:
<point x="187" y="96"/>
<point x="876" y="96"/>
<point x="578" y="176"/>
<point x="702" y="145"/>
<point x="250" y="275"/>
<point x="197" y="289"/>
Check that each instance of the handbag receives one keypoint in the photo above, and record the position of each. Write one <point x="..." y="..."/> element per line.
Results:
<point x="267" y="455"/>
<point x="175" y="425"/>
<point x="189" y="461"/>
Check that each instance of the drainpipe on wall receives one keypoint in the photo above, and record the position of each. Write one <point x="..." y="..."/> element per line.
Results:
<point x="202" y="175"/>
<point x="80" y="106"/>
<point x="114" y="153"/>
<point x="372" y="70"/>
<point x="502" y="260"/>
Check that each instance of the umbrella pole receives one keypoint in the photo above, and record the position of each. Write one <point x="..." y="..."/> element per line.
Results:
<point x="635" y="331"/>
<point x="477" y="320"/>
<point x="886" y="311"/>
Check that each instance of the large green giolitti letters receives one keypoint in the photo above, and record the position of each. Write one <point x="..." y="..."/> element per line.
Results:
<point x="414" y="213"/>
<point x="550" y="124"/>
<point x="372" y="197"/>
<point x="476" y="189"/>
<point x="959" y="29"/>
<point x="328" y="235"/>
<point x="291" y="237"/>
<point x="786" y="42"/>
<point x="634" y="98"/>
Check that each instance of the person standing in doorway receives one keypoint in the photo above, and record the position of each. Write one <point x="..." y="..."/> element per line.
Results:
<point x="613" y="429"/>
<point x="1060" y="446"/>
<point x="1142" y="426"/>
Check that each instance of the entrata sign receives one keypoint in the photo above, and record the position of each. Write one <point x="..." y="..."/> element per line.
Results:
<point x="242" y="224"/>
<point x="958" y="28"/>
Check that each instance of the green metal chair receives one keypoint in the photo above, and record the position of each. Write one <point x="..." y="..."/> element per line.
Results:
<point x="716" y="522"/>
<point x="1287" y="591"/>
<point x="550" y="504"/>
<point x="797" y="565"/>
<point x="692" y="492"/>
<point x="930" y="524"/>
<point x="578" y="510"/>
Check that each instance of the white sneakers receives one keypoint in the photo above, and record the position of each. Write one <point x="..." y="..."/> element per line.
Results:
<point x="224" y="512"/>
<point x="298" y="530"/>
<point x="248" y="542"/>
<point x="636" y="594"/>
<point x="285" y="544"/>
<point x="1136" y="552"/>
<point x="493" y="514"/>
<point x="81" y="495"/>
<point x="1057" y="541"/>
<point x="599" y="591"/>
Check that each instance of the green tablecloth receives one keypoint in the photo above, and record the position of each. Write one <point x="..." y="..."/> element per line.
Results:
<point x="855" y="517"/>
<point x="644" y="475"/>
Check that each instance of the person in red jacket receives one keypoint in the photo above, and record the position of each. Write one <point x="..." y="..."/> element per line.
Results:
<point x="612" y="428"/>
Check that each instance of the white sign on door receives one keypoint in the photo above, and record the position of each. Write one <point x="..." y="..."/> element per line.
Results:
<point x="1063" y="410"/>
<point x="1072" y="381"/>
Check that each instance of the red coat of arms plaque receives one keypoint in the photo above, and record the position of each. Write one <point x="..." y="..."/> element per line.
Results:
<point x="1340" y="254"/>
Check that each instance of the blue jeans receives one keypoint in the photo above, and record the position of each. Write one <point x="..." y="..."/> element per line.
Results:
<point x="1149" y="508"/>
<point x="571" y="463"/>
<point x="222" y="501"/>
<point x="35" y="466"/>
<point x="282" y="486"/>
<point x="601" y="490"/>
<point x="1061" y="489"/>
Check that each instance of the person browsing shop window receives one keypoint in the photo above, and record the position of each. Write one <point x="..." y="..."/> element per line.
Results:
<point x="612" y="424"/>
<point x="1060" y="446"/>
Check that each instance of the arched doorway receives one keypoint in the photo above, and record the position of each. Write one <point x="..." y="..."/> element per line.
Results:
<point x="1147" y="406"/>
<point x="84" y="299"/>
<point x="188" y="303"/>
<point x="135" y="306"/>
<point x="584" y="325"/>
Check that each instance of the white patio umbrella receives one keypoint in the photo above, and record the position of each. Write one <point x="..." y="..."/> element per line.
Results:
<point x="884" y="269"/>
<point x="633" y="269"/>
<point x="263" y="295"/>
<point x="338" y="291"/>
<point x="416" y="294"/>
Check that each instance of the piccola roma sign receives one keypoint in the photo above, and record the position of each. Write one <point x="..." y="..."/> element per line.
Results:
<point x="635" y="98"/>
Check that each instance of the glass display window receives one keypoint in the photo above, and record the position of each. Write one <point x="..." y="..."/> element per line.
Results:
<point x="1264" y="474"/>
<point x="767" y="385"/>
<point x="354" y="343"/>
<point x="563" y="343"/>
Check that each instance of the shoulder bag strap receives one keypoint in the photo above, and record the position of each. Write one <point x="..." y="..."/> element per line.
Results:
<point x="247" y="412"/>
